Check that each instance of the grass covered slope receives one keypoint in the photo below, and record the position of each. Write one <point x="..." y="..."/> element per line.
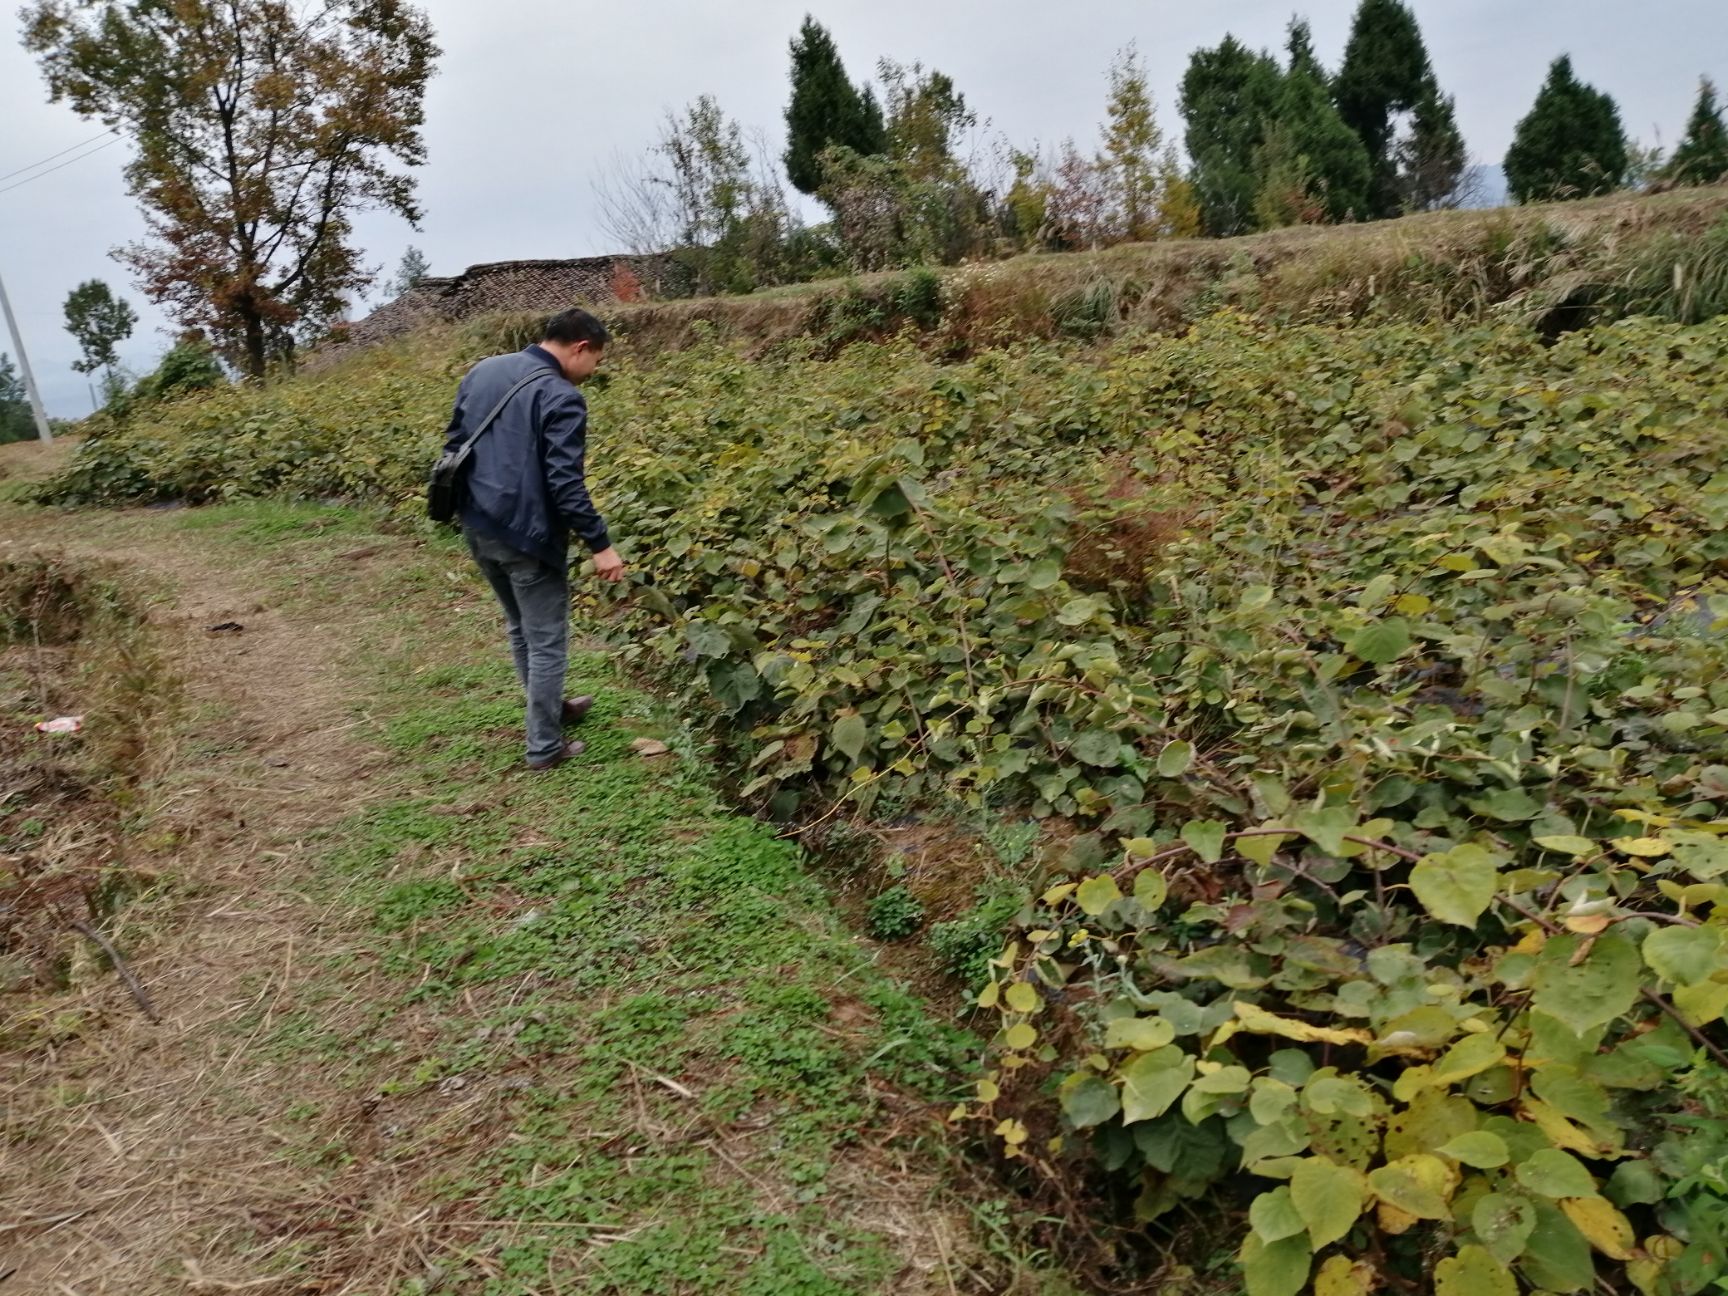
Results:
<point x="1380" y="670"/>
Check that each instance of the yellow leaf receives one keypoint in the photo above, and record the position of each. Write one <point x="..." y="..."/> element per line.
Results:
<point x="1257" y="1019"/>
<point x="1419" y="1185"/>
<point x="1342" y="1276"/>
<point x="1645" y="1275"/>
<point x="1022" y="998"/>
<point x="1393" y="1220"/>
<point x="988" y="1091"/>
<point x="1564" y="1133"/>
<point x="1058" y="893"/>
<point x="1664" y="1248"/>
<point x="1531" y="942"/>
<point x="1588" y="924"/>
<point x="1012" y="1132"/>
<point x="958" y="1114"/>
<point x="1142" y="1033"/>
<point x="1648" y="847"/>
<point x="1473" y="1272"/>
<point x="988" y="996"/>
<point x="1645" y="817"/>
<point x="1608" y="1230"/>
<point x="1413" y="604"/>
<point x="1020" y="1037"/>
<point x="1096" y="894"/>
<point x="1703" y="1003"/>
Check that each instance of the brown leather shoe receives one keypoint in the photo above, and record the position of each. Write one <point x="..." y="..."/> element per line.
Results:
<point x="575" y="747"/>
<point x="576" y="709"/>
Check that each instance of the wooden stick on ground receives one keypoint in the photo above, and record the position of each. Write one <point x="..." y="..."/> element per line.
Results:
<point x="139" y="995"/>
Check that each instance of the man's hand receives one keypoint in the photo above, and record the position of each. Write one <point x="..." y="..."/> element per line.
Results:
<point x="608" y="566"/>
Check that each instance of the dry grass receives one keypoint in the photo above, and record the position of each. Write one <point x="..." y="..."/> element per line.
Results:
<point x="138" y="1162"/>
<point x="1435" y="264"/>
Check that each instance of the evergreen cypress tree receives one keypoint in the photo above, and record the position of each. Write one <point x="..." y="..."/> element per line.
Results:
<point x="826" y="108"/>
<point x="1702" y="157"/>
<point x="1227" y="97"/>
<point x="1431" y="157"/>
<point x="1336" y="166"/>
<point x="1569" y="145"/>
<point x="1300" y="47"/>
<point x="1385" y="71"/>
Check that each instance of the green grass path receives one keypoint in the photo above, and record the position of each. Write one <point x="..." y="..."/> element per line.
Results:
<point x="611" y="1033"/>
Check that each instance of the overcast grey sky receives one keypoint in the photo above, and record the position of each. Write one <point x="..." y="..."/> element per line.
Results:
<point x="531" y="100"/>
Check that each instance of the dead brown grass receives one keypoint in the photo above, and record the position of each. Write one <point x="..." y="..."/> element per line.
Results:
<point x="139" y="1158"/>
<point x="1123" y="520"/>
<point x="1430" y="265"/>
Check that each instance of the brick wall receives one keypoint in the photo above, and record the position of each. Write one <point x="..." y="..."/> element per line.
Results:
<point x="501" y="286"/>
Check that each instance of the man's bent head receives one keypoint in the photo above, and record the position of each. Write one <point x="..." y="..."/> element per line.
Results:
<point x="576" y="340"/>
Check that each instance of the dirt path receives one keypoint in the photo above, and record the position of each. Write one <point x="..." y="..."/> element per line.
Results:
<point x="374" y="1076"/>
<point x="139" y="1162"/>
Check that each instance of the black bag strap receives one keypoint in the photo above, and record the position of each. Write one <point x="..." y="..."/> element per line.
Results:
<point x="498" y="409"/>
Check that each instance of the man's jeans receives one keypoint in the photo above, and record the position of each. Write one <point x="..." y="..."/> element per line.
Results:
<point x="536" y="601"/>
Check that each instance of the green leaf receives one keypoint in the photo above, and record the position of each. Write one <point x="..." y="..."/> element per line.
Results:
<point x="1325" y="827"/>
<point x="1595" y="991"/>
<point x="1470" y="1056"/>
<point x="1378" y="590"/>
<point x="1151" y="1082"/>
<point x="1503" y="1222"/>
<point x="1276" y="1268"/>
<point x="1635" y="1183"/>
<point x="1473" y="1272"/>
<point x="1097" y="747"/>
<point x="1143" y="1033"/>
<point x="1175" y="759"/>
<point x="1550" y="1172"/>
<point x="1078" y="611"/>
<point x="1150" y="888"/>
<point x="1455" y="886"/>
<point x="1206" y="836"/>
<point x="1509" y="805"/>
<point x="734" y="683"/>
<point x="1096" y="894"/>
<point x="1260" y="848"/>
<point x="1089" y="1100"/>
<point x="1557" y="1257"/>
<point x="1044" y="573"/>
<point x="1684" y="955"/>
<point x="1329" y="1197"/>
<point x="707" y="639"/>
<point x="1379" y="642"/>
<point x="850" y="734"/>
<point x="1480" y="1148"/>
<point x="1273" y="1215"/>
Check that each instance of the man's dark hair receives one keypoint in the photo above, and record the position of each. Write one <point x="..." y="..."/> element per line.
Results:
<point x="576" y="325"/>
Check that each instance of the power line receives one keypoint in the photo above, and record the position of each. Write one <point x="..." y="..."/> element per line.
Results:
<point x="51" y="170"/>
<point x="62" y="153"/>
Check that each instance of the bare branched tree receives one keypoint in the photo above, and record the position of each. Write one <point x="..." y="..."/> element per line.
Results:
<point x="637" y="204"/>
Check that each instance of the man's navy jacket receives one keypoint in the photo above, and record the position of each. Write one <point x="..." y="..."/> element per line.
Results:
<point x="524" y="485"/>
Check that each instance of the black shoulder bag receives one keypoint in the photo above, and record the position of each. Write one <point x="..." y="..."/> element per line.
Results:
<point x="444" y="490"/>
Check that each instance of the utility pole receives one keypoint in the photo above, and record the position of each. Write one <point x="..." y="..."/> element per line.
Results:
<point x="42" y="429"/>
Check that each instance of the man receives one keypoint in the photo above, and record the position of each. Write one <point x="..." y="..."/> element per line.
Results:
<point x="524" y="494"/>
